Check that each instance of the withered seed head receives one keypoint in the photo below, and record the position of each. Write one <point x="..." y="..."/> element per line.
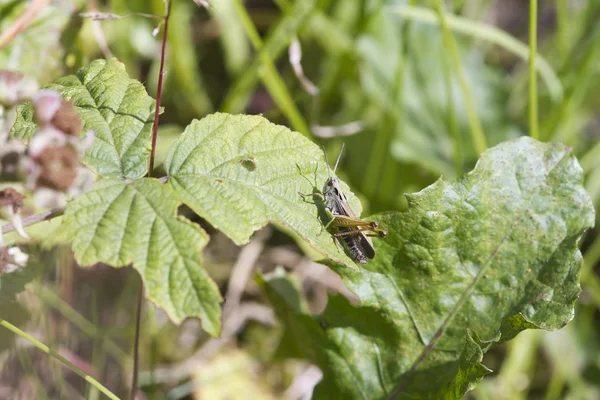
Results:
<point x="10" y="197"/>
<point x="58" y="167"/>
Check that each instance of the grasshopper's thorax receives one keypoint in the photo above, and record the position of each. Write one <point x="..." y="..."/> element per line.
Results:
<point x="333" y="194"/>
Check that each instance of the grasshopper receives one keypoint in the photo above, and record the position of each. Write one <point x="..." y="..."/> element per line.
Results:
<point x="351" y="229"/>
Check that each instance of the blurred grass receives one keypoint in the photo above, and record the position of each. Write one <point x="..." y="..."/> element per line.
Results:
<point x="433" y="83"/>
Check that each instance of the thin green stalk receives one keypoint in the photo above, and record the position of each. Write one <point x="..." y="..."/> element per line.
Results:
<point x="583" y="72"/>
<point x="520" y="360"/>
<point x="56" y="372"/>
<point x="591" y="284"/>
<point x="60" y="358"/>
<point x="491" y="34"/>
<point x="275" y="44"/>
<point x="591" y="158"/>
<point x="591" y="257"/>
<point x="154" y="330"/>
<point x="533" y="97"/>
<point x="269" y="75"/>
<point x="98" y="357"/>
<point x="562" y="21"/>
<point x="589" y="280"/>
<point x="381" y="158"/>
<point x="474" y="123"/>
<point x="452" y="121"/>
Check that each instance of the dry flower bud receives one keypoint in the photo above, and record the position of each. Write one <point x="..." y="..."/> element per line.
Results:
<point x="10" y="203"/>
<point x="44" y="138"/>
<point x="46" y="103"/>
<point x="66" y="120"/>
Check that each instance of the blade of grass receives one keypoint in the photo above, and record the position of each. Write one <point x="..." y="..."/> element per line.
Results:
<point x="580" y="72"/>
<point x="98" y="357"/>
<point x="589" y="280"/>
<point x="520" y="361"/>
<point x="452" y="120"/>
<point x="50" y="298"/>
<point x="183" y="63"/>
<point x="264" y="68"/>
<point x="57" y="356"/>
<point x="451" y="47"/>
<point x="533" y="108"/>
<point x="491" y="34"/>
<point x="381" y="157"/>
<point x="562" y="22"/>
<point x="235" y="46"/>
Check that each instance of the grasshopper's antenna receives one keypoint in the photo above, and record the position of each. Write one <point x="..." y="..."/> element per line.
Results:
<point x="327" y="162"/>
<point x="338" y="159"/>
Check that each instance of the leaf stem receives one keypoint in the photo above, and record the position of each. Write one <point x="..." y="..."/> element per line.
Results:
<point x="136" y="343"/>
<point x="60" y="358"/>
<point x="533" y="105"/>
<point x="161" y="73"/>
<point x="140" y="295"/>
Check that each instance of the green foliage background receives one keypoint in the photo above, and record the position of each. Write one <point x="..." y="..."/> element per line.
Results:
<point x="389" y="65"/>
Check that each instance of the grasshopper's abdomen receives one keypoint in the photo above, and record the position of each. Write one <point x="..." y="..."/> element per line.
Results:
<point x="354" y="246"/>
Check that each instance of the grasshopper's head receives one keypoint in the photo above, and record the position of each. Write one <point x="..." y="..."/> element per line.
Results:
<point x="332" y="188"/>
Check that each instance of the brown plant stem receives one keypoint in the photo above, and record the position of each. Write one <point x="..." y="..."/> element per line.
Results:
<point x="159" y="88"/>
<point x="34" y="219"/>
<point x="21" y="23"/>
<point x="140" y="295"/>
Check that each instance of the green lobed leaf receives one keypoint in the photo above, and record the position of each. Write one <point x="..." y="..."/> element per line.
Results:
<point x="240" y="172"/>
<point x="24" y="127"/>
<point x="119" y="224"/>
<point x="115" y="107"/>
<point x="494" y="253"/>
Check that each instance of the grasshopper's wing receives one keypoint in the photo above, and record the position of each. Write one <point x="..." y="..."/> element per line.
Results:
<point x="345" y="209"/>
<point x="360" y="238"/>
<point x="364" y="243"/>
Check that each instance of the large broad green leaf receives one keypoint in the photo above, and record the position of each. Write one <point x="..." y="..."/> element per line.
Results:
<point x="240" y="172"/>
<point x="494" y="253"/>
<point x="115" y="107"/>
<point x="120" y="224"/>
